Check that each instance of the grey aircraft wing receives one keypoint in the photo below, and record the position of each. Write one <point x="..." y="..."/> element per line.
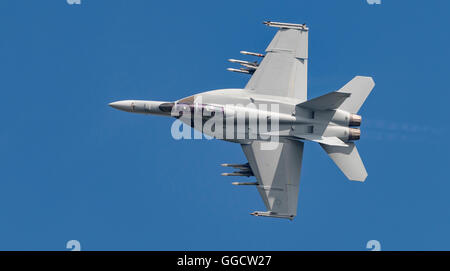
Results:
<point x="283" y="70"/>
<point x="277" y="170"/>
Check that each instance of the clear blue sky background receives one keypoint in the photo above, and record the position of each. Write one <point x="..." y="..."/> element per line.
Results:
<point x="73" y="168"/>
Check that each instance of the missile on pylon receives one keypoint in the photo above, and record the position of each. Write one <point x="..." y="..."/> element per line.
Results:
<point x="251" y="54"/>
<point x="240" y="166"/>
<point x="244" y="170"/>
<point x="239" y="173"/>
<point x="244" y="63"/>
<point x="241" y="70"/>
<point x="246" y="183"/>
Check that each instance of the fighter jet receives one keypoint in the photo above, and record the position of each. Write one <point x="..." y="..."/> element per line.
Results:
<point x="271" y="118"/>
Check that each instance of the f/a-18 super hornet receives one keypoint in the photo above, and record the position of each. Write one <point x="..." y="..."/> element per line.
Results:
<point x="271" y="118"/>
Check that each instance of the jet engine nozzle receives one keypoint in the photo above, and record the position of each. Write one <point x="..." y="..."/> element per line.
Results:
<point x="355" y="120"/>
<point x="354" y="134"/>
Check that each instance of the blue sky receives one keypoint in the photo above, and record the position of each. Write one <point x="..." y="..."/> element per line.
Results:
<point x="73" y="168"/>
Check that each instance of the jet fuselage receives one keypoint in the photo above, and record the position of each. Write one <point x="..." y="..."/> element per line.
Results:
<point x="239" y="115"/>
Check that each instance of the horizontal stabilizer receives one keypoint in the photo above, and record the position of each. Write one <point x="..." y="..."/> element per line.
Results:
<point x="359" y="88"/>
<point x="328" y="101"/>
<point x="330" y="141"/>
<point x="348" y="161"/>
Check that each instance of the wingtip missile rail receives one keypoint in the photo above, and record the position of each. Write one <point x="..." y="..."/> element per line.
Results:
<point x="272" y="214"/>
<point x="286" y="25"/>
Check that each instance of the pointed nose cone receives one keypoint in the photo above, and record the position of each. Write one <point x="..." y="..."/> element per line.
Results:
<point x="143" y="107"/>
<point x="122" y="105"/>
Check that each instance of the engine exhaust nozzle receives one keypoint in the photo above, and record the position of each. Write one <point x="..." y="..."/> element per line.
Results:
<point x="354" y="134"/>
<point x="355" y="120"/>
